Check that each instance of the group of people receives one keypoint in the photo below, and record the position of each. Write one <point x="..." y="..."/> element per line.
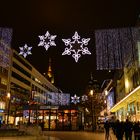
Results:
<point x="2" y="124"/>
<point x="121" y="129"/>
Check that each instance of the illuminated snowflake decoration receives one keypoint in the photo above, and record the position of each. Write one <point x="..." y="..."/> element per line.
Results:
<point x="25" y="50"/>
<point x="47" y="40"/>
<point x="75" y="99"/>
<point x="76" y="46"/>
<point x="84" y="98"/>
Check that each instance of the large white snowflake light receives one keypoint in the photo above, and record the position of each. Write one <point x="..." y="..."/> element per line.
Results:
<point x="75" y="99"/>
<point x="47" y="40"/>
<point x="25" y="50"/>
<point x="76" y="46"/>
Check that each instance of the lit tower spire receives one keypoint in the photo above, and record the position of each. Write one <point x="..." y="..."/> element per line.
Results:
<point x="91" y="80"/>
<point x="49" y="73"/>
<point x="93" y="84"/>
<point x="91" y="76"/>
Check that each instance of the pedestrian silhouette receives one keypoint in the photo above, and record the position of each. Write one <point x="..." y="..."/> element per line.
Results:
<point x="136" y="129"/>
<point x="0" y="124"/>
<point x="106" y="126"/>
<point x="128" y="127"/>
<point x="119" y="130"/>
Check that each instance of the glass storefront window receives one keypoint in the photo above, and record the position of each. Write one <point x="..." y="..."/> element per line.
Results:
<point x="2" y="105"/>
<point x="138" y="106"/>
<point x="3" y="81"/>
<point x="54" y="119"/>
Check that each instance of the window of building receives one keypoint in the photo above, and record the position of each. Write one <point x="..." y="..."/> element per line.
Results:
<point x="20" y="89"/>
<point x="2" y="105"/>
<point x="3" y="71"/>
<point x="18" y="77"/>
<point x="138" y="106"/>
<point x="136" y="80"/>
<point x="131" y="108"/>
<point x="21" y="70"/>
<point x="3" y="81"/>
<point x="22" y="61"/>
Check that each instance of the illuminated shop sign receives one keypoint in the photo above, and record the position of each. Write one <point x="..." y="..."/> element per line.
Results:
<point x="110" y="100"/>
<point x="49" y="107"/>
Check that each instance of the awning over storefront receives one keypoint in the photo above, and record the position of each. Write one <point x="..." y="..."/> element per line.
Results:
<point x="132" y="96"/>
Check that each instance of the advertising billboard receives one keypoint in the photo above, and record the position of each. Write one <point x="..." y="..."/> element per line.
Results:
<point x="110" y="100"/>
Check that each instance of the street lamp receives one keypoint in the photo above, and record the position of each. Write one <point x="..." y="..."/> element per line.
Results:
<point x="8" y="109"/>
<point x="92" y="110"/>
<point x="91" y="92"/>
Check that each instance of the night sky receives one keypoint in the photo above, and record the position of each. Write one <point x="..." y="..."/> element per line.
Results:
<point x="30" y="18"/>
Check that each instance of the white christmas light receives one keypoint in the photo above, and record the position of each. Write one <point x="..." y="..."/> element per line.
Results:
<point x="47" y="40"/>
<point x="76" y="46"/>
<point x="116" y="48"/>
<point x="75" y="99"/>
<point x="84" y="98"/>
<point x="25" y="50"/>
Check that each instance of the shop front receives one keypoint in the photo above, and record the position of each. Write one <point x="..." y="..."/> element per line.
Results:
<point x="54" y="117"/>
<point x="2" y="111"/>
<point x="128" y="107"/>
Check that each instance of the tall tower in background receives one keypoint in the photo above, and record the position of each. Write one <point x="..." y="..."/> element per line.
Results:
<point x="50" y="73"/>
<point x="93" y="84"/>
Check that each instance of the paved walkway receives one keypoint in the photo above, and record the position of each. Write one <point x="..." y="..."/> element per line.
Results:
<point x="81" y="135"/>
<point x="77" y="135"/>
<point x="61" y="135"/>
<point x="64" y="135"/>
<point x="29" y="138"/>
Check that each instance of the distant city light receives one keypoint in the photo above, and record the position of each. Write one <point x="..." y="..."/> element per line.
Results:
<point x="75" y="99"/>
<point x="126" y="84"/>
<point x="106" y="92"/>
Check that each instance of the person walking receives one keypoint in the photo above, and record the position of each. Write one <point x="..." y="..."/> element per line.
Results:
<point x="119" y="130"/>
<point x="136" y="129"/>
<point x="128" y="127"/>
<point x="0" y="124"/>
<point x="107" y="127"/>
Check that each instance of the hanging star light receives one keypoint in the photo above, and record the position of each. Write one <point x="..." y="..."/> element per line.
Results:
<point x="84" y="98"/>
<point x="76" y="46"/>
<point x="75" y="99"/>
<point x="25" y="50"/>
<point x="47" y="40"/>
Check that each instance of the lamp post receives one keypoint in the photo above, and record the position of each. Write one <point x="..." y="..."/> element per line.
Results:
<point x="8" y="109"/>
<point x="92" y="109"/>
<point x="94" y="89"/>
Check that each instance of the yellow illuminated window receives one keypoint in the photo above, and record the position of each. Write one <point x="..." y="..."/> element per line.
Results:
<point x="3" y="81"/>
<point x="2" y="105"/>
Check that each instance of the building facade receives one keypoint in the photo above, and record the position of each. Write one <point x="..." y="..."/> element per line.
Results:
<point x="108" y="94"/>
<point x="27" y="87"/>
<point x="5" y="62"/>
<point x="128" y="89"/>
<point x="34" y="99"/>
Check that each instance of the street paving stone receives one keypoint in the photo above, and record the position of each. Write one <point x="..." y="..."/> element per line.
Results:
<point x="78" y="135"/>
<point x="29" y="138"/>
<point x="61" y="135"/>
<point x="64" y="135"/>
